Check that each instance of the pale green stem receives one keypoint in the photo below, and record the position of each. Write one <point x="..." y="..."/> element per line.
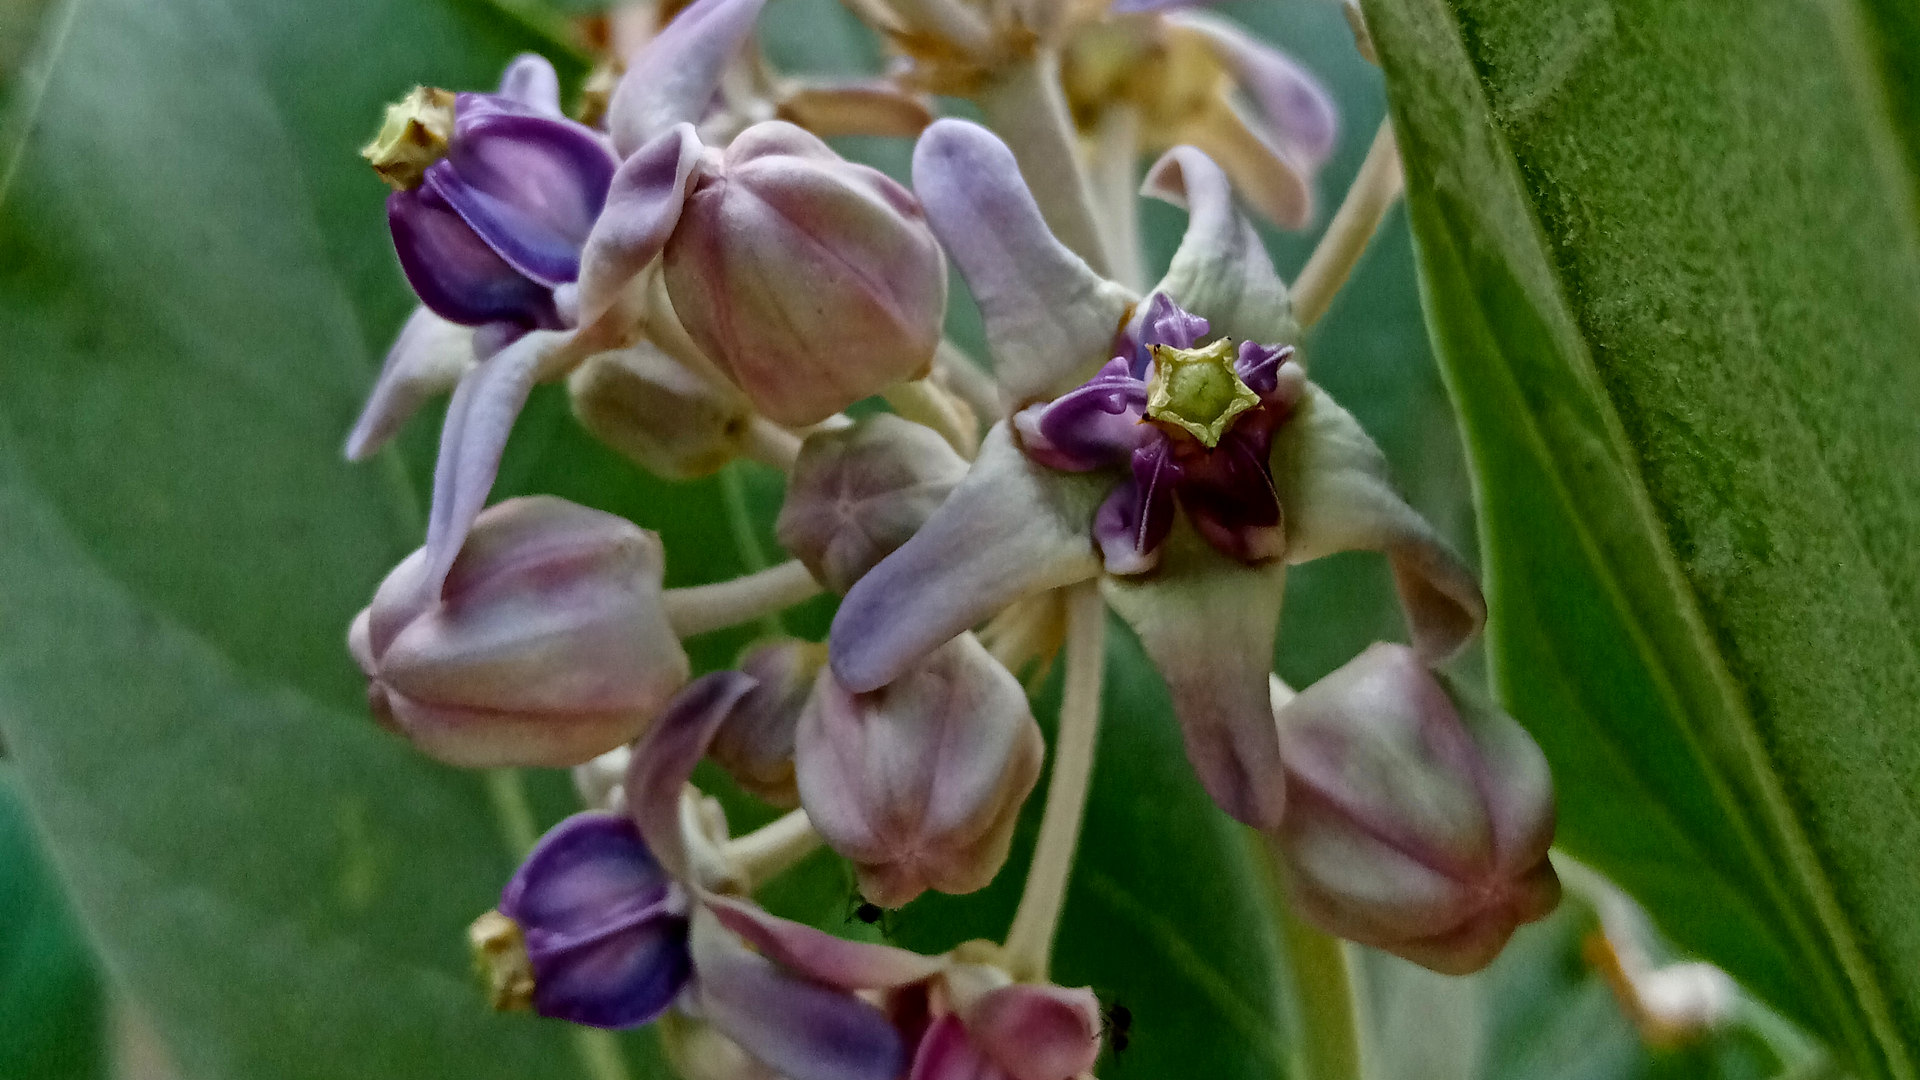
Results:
<point x="599" y="1051"/>
<point x="1025" y="106"/>
<point x="922" y="402"/>
<point x="1116" y="181"/>
<point x="1328" y="1044"/>
<point x="700" y="609"/>
<point x="1030" y="940"/>
<point x="771" y="445"/>
<point x="773" y="849"/>
<point x="1374" y="190"/>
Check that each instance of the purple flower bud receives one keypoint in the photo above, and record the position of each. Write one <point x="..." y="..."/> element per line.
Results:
<point x="919" y="782"/>
<point x="1417" y="819"/>
<point x="546" y="646"/>
<point x="857" y="494"/>
<point x="667" y="419"/>
<point x="755" y="741"/>
<point x="605" y="928"/>
<point x="494" y="197"/>
<point x="811" y="281"/>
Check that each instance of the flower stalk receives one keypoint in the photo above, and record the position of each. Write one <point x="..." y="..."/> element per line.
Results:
<point x="1374" y="190"/>
<point x="773" y="849"/>
<point x="1026" y="107"/>
<point x="702" y="609"/>
<point x="1029" y="944"/>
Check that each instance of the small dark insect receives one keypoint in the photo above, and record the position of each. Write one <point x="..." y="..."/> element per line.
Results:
<point x="1119" y="1025"/>
<point x="869" y="913"/>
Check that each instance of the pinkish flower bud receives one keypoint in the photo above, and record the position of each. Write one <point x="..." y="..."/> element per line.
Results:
<point x="1418" y="819"/>
<point x="755" y="741"/>
<point x="811" y="281"/>
<point x="919" y="782"/>
<point x="547" y="645"/>
<point x="858" y="493"/>
<point x="670" y="421"/>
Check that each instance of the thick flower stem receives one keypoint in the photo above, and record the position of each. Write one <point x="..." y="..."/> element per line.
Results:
<point x="1328" y="1043"/>
<point x="1030" y="941"/>
<point x="1116" y="181"/>
<point x="700" y="609"/>
<point x="773" y="849"/>
<point x="771" y="445"/>
<point x="1374" y="190"/>
<point x="923" y="402"/>
<point x="1025" y="106"/>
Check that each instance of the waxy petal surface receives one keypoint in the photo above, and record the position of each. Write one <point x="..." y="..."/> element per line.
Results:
<point x="1050" y="319"/>
<point x="428" y="359"/>
<point x="849" y="965"/>
<point x="664" y="761"/>
<point x="454" y="272"/>
<point x="531" y="81"/>
<point x="1298" y="110"/>
<point x="643" y="205"/>
<point x="1221" y="269"/>
<point x="530" y="186"/>
<point x="674" y="77"/>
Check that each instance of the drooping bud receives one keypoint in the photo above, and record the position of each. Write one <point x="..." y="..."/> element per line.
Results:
<point x="604" y="929"/>
<point x="755" y="741"/>
<point x="919" y="782"/>
<point x="670" y="421"/>
<point x="547" y="645"/>
<point x="857" y="494"/>
<point x="1417" y="818"/>
<point x="811" y="281"/>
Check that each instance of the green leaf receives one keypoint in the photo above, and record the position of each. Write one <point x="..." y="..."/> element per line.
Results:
<point x="1671" y="271"/>
<point x="49" y="990"/>
<point x="196" y="290"/>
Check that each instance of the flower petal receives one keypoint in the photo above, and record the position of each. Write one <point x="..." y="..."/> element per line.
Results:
<point x="1332" y="481"/>
<point x="622" y="977"/>
<point x="428" y="358"/>
<point x="946" y="1053"/>
<point x="805" y="1030"/>
<point x="1271" y="181"/>
<point x="1050" y="320"/>
<point x="1037" y="1031"/>
<point x="1208" y="623"/>
<point x="479" y="419"/>
<point x="665" y="757"/>
<point x="454" y="272"/>
<point x="674" y="77"/>
<point x="1299" y="112"/>
<point x="530" y="186"/>
<point x="855" y="107"/>
<point x="849" y="965"/>
<point x="531" y="81"/>
<point x="1221" y="270"/>
<point x="643" y="205"/>
<point x="1012" y="528"/>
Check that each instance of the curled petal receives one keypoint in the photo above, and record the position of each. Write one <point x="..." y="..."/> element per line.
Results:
<point x="1094" y="425"/>
<point x="454" y="272"/>
<point x="849" y="965"/>
<point x="530" y="81"/>
<point x="607" y="943"/>
<point x="1221" y="269"/>
<point x="1332" y="480"/>
<point x="665" y="758"/>
<point x="1298" y="110"/>
<point x="1136" y="518"/>
<point x="479" y="419"/>
<point x="674" y="77"/>
<point x="856" y="107"/>
<point x="946" y="1053"/>
<point x="1012" y="528"/>
<point x="1208" y="623"/>
<point x="428" y="358"/>
<point x="804" y="1029"/>
<point x="643" y="205"/>
<point x="1037" y="1031"/>
<point x="1050" y="320"/>
<point x="530" y="186"/>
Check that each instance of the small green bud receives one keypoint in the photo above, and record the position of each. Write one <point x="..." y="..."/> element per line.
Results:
<point x="1198" y="390"/>
<point x="414" y="136"/>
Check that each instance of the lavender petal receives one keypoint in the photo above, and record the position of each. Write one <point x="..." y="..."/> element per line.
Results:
<point x="1298" y="110"/>
<point x="642" y="207"/>
<point x="1221" y="269"/>
<point x="455" y="273"/>
<point x="530" y="81"/>
<point x="428" y="359"/>
<point x="664" y="760"/>
<point x="674" y="77"/>
<point x="530" y="186"/>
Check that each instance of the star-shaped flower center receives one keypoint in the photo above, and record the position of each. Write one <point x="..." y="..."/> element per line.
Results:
<point x="1198" y="390"/>
<point x="413" y="136"/>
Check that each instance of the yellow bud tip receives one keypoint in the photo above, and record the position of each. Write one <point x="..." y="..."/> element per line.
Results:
<point x="500" y="959"/>
<point x="413" y="136"/>
<point x="1198" y="390"/>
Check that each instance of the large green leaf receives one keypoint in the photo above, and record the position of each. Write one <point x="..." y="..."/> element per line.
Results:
<point x="49" y="987"/>
<point x="1670" y="261"/>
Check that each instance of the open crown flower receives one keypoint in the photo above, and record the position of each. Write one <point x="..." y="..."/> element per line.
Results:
<point x="1172" y="449"/>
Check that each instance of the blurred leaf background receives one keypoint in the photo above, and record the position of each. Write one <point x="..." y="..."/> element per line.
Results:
<point x="195" y="292"/>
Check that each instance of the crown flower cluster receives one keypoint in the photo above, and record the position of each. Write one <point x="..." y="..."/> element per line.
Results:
<point x="712" y="281"/>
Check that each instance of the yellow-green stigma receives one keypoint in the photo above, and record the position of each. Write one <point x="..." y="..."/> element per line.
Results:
<point x="500" y="959"/>
<point x="414" y="136"/>
<point x="1197" y="390"/>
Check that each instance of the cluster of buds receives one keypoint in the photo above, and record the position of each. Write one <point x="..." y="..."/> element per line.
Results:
<point x="713" y="281"/>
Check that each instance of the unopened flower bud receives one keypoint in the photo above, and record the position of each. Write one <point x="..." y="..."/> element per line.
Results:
<point x="919" y="783"/>
<point x="811" y="281"/>
<point x="858" y="493"/>
<point x="670" y="421"/>
<point x="755" y="741"/>
<point x="547" y="645"/>
<point x="1417" y="819"/>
